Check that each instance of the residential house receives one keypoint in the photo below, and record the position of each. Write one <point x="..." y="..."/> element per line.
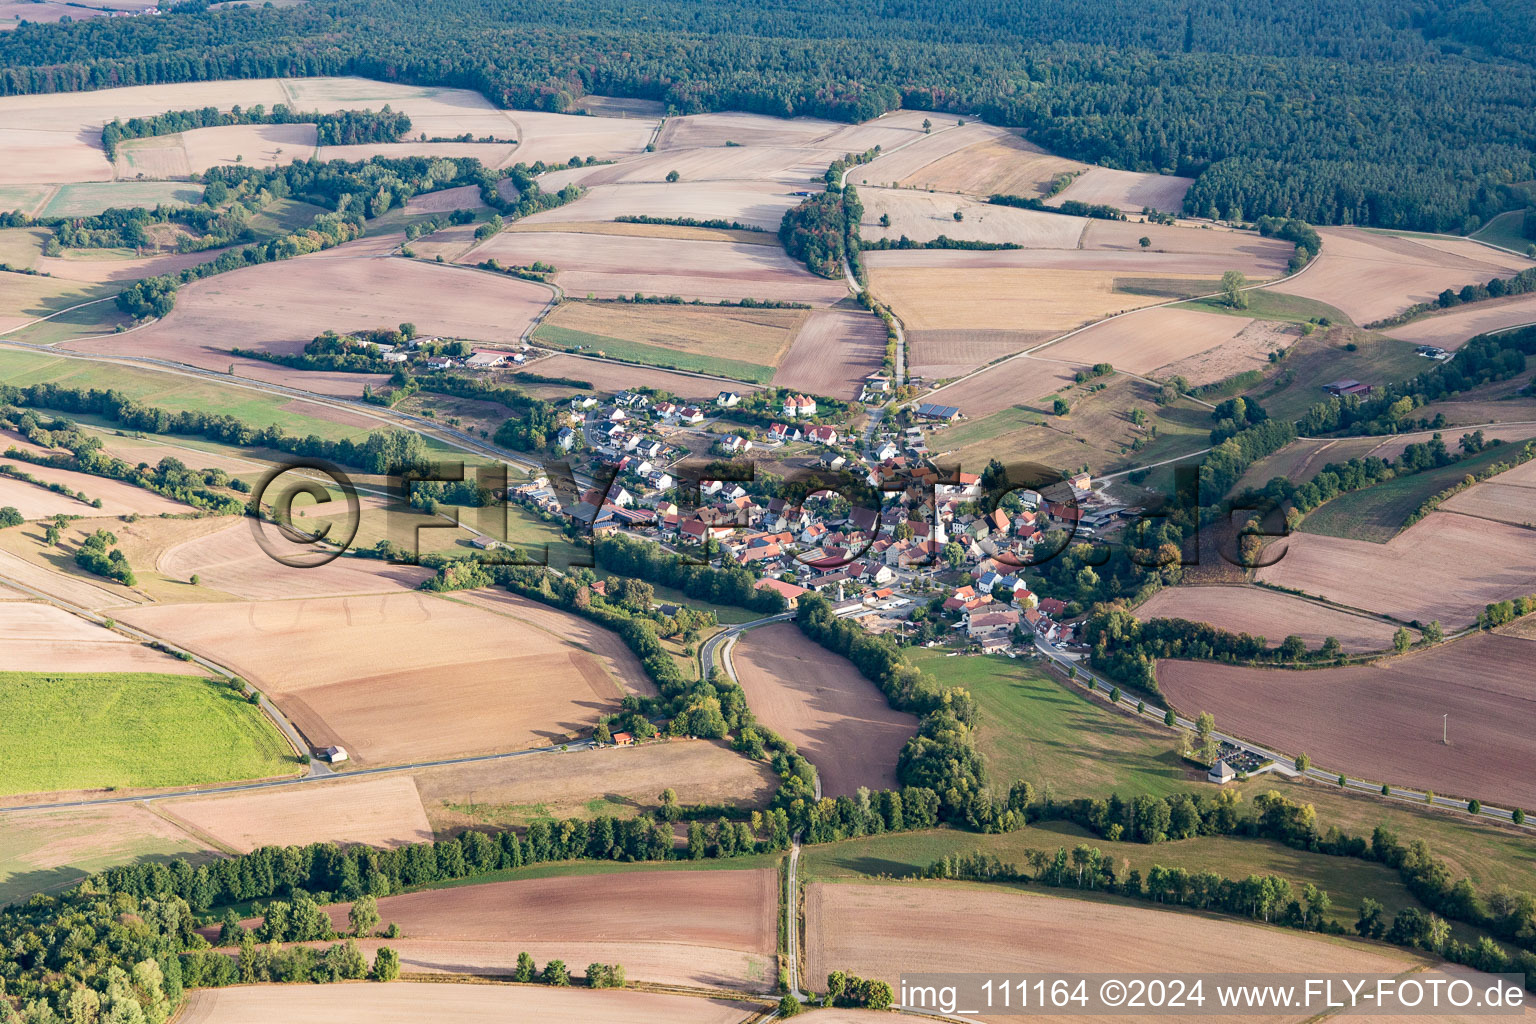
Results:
<point x="727" y="399"/>
<point x="799" y="405"/>
<point x="792" y="593"/>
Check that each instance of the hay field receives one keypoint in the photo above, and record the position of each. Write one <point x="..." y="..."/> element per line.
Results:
<point x="1267" y="613"/>
<point x="384" y="811"/>
<point x="1483" y="682"/>
<point x="1452" y="329"/>
<point x="233" y="562"/>
<point x="621" y="782"/>
<point x="23" y="198"/>
<point x="924" y="216"/>
<point x="402" y="1002"/>
<point x="819" y="702"/>
<point x="1247" y="251"/>
<point x="607" y="376"/>
<point x="698" y="131"/>
<point x="1249" y="350"/>
<point x="393" y="677"/>
<point x="42" y="850"/>
<point x="608" y="265"/>
<point x="37" y="637"/>
<point x="280" y="306"/>
<point x="1130" y="191"/>
<point x="1155" y="337"/>
<point x="1509" y="497"/>
<point x="1446" y="566"/>
<point x="112" y="730"/>
<point x="760" y="336"/>
<point x="1002" y="164"/>
<point x="714" y="929"/>
<point x="117" y="498"/>
<point x="880" y="931"/>
<point x="25" y="297"/>
<point x="833" y="354"/>
<point x="939" y="354"/>
<point x="85" y="199"/>
<point x="759" y="203"/>
<point x="1372" y="276"/>
<point x="960" y="297"/>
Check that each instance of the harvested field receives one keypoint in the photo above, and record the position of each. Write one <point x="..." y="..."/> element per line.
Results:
<point x="1144" y="272"/>
<point x="446" y="200"/>
<point x="994" y="298"/>
<point x="621" y="106"/>
<point x="555" y="138"/>
<point x="390" y="676"/>
<point x="909" y="165"/>
<point x="1005" y="385"/>
<point x="232" y="561"/>
<point x="73" y="111"/>
<point x="688" y="233"/>
<point x="712" y="925"/>
<point x="1372" y="276"/>
<point x="34" y="502"/>
<point x="760" y="336"/>
<point x="1248" y="350"/>
<point x="834" y="353"/>
<point x="278" y="307"/>
<point x="176" y="156"/>
<point x="1247" y="251"/>
<point x="1455" y="328"/>
<point x="43" y="850"/>
<point x="939" y="354"/>
<point x="1272" y="615"/>
<point x="1129" y="191"/>
<point x="1156" y="337"/>
<point x="608" y="376"/>
<point x="67" y="588"/>
<point x="887" y="131"/>
<point x="385" y="811"/>
<point x="786" y="168"/>
<point x="117" y="498"/>
<point x="759" y="203"/>
<point x="1509" y="497"/>
<point x="1457" y="564"/>
<point x="488" y="153"/>
<point x="43" y="156"/>
<point x="23" y="198"/>
<point x="924" y="216"/>
<point x="1003" y="164"/>
<point x="620" y="782"/>
<point x="36" y="637"/>
<point x="607" y="266"/>
<point x="25" y="297"/>
<point x="408" y="1002"/>
<point x="94" y="266"/>
<point x="820" y="703"/>
<point x="880" y="931"/>
<point x="698" y="131"/>
<point x="1484" y="683"/>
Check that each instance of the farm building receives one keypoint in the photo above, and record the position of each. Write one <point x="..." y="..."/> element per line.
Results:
<point x="789" y="590"/>
<point x="1347" y="387"/>
<point x="335" y="755"/>
<point x="933" y="411"/>
<point x="482" y="360"/>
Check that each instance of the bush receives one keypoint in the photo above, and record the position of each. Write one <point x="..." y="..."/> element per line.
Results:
<point x="386" y="964"/>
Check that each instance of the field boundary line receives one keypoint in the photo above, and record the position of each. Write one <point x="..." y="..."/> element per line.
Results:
<point x="187" y="827"/>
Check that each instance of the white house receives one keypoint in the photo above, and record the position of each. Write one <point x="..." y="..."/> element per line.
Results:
<point x="726" y="399"/>
<point x="799" y="405"/>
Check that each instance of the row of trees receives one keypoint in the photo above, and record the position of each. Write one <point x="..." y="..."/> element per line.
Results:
<point x="342" y="128"/>
<point x="731" y="585"/>
<point x="1069" y="207"/>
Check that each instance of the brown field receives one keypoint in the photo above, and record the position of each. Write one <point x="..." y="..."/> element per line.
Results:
<point x="715" y="929"/>
<point x="785" y="168"/>
<point x="1003" y="164"/>
<point x="1382" y="721"/>
<point x="92" y="266"/>
<point x="820" y="703"/>
<point x="1445" y="567"/>
<point x="624" y="781"/>
<point x="759" y="336"/>
<point x="1247" y="251"/>
<point x="176" y="156"/>
<point x="390" y="676"/>
<point x="1205" y="263"/>
<point x="555" y="138"/>
<point x="880" y="931"/>
<point x="450" y="243"/>
<point x="15" y="568"/>
<point x="36" y="637"/>
<point x="1130" y="191"/>
<point x="34" y="502"/>
<point x="233" y="562"/>
<point x="743" y="236"/>
<point x="402" y="1002"/>
<point x="909" y="165"/>
<point x="433" y="111"/>
<point x="606" y="266"/>
<point x="923" y="216"/>
<point x="1453" y="329"/>
<point x="1274" y="616"/>
<point x="699" y="131"/>
<point x="939" y="354"/>
<point x="1005" y="385"/>
<point x="955" y="297"/>
<point x="1371" y="276"/>
<point x="1249" y="350"/>
<point x="280" y="306"/>
<point x="44" y="850"/>
<point x="117" y="498"/>
<point x="1509" y="497"/>
<point x="446" y="200"/>
<point x="52" y="157"/>
<point x="887" y="131"/>
<point x="607" y="376"/>
<point x="835" y="351"/>
<point x="759" y="203"/>
<point x="1156" y="337"/>
<point x="384" y="811"/>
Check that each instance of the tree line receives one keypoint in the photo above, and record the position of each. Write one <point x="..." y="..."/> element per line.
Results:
<point x="342" y="128"/>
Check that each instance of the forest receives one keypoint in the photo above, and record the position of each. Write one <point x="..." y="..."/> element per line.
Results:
<point x="1360" y="111"/>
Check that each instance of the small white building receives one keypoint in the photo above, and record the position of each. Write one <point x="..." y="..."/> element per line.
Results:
<point x="335" y="755"/>
<point x="1221" y="773"/>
